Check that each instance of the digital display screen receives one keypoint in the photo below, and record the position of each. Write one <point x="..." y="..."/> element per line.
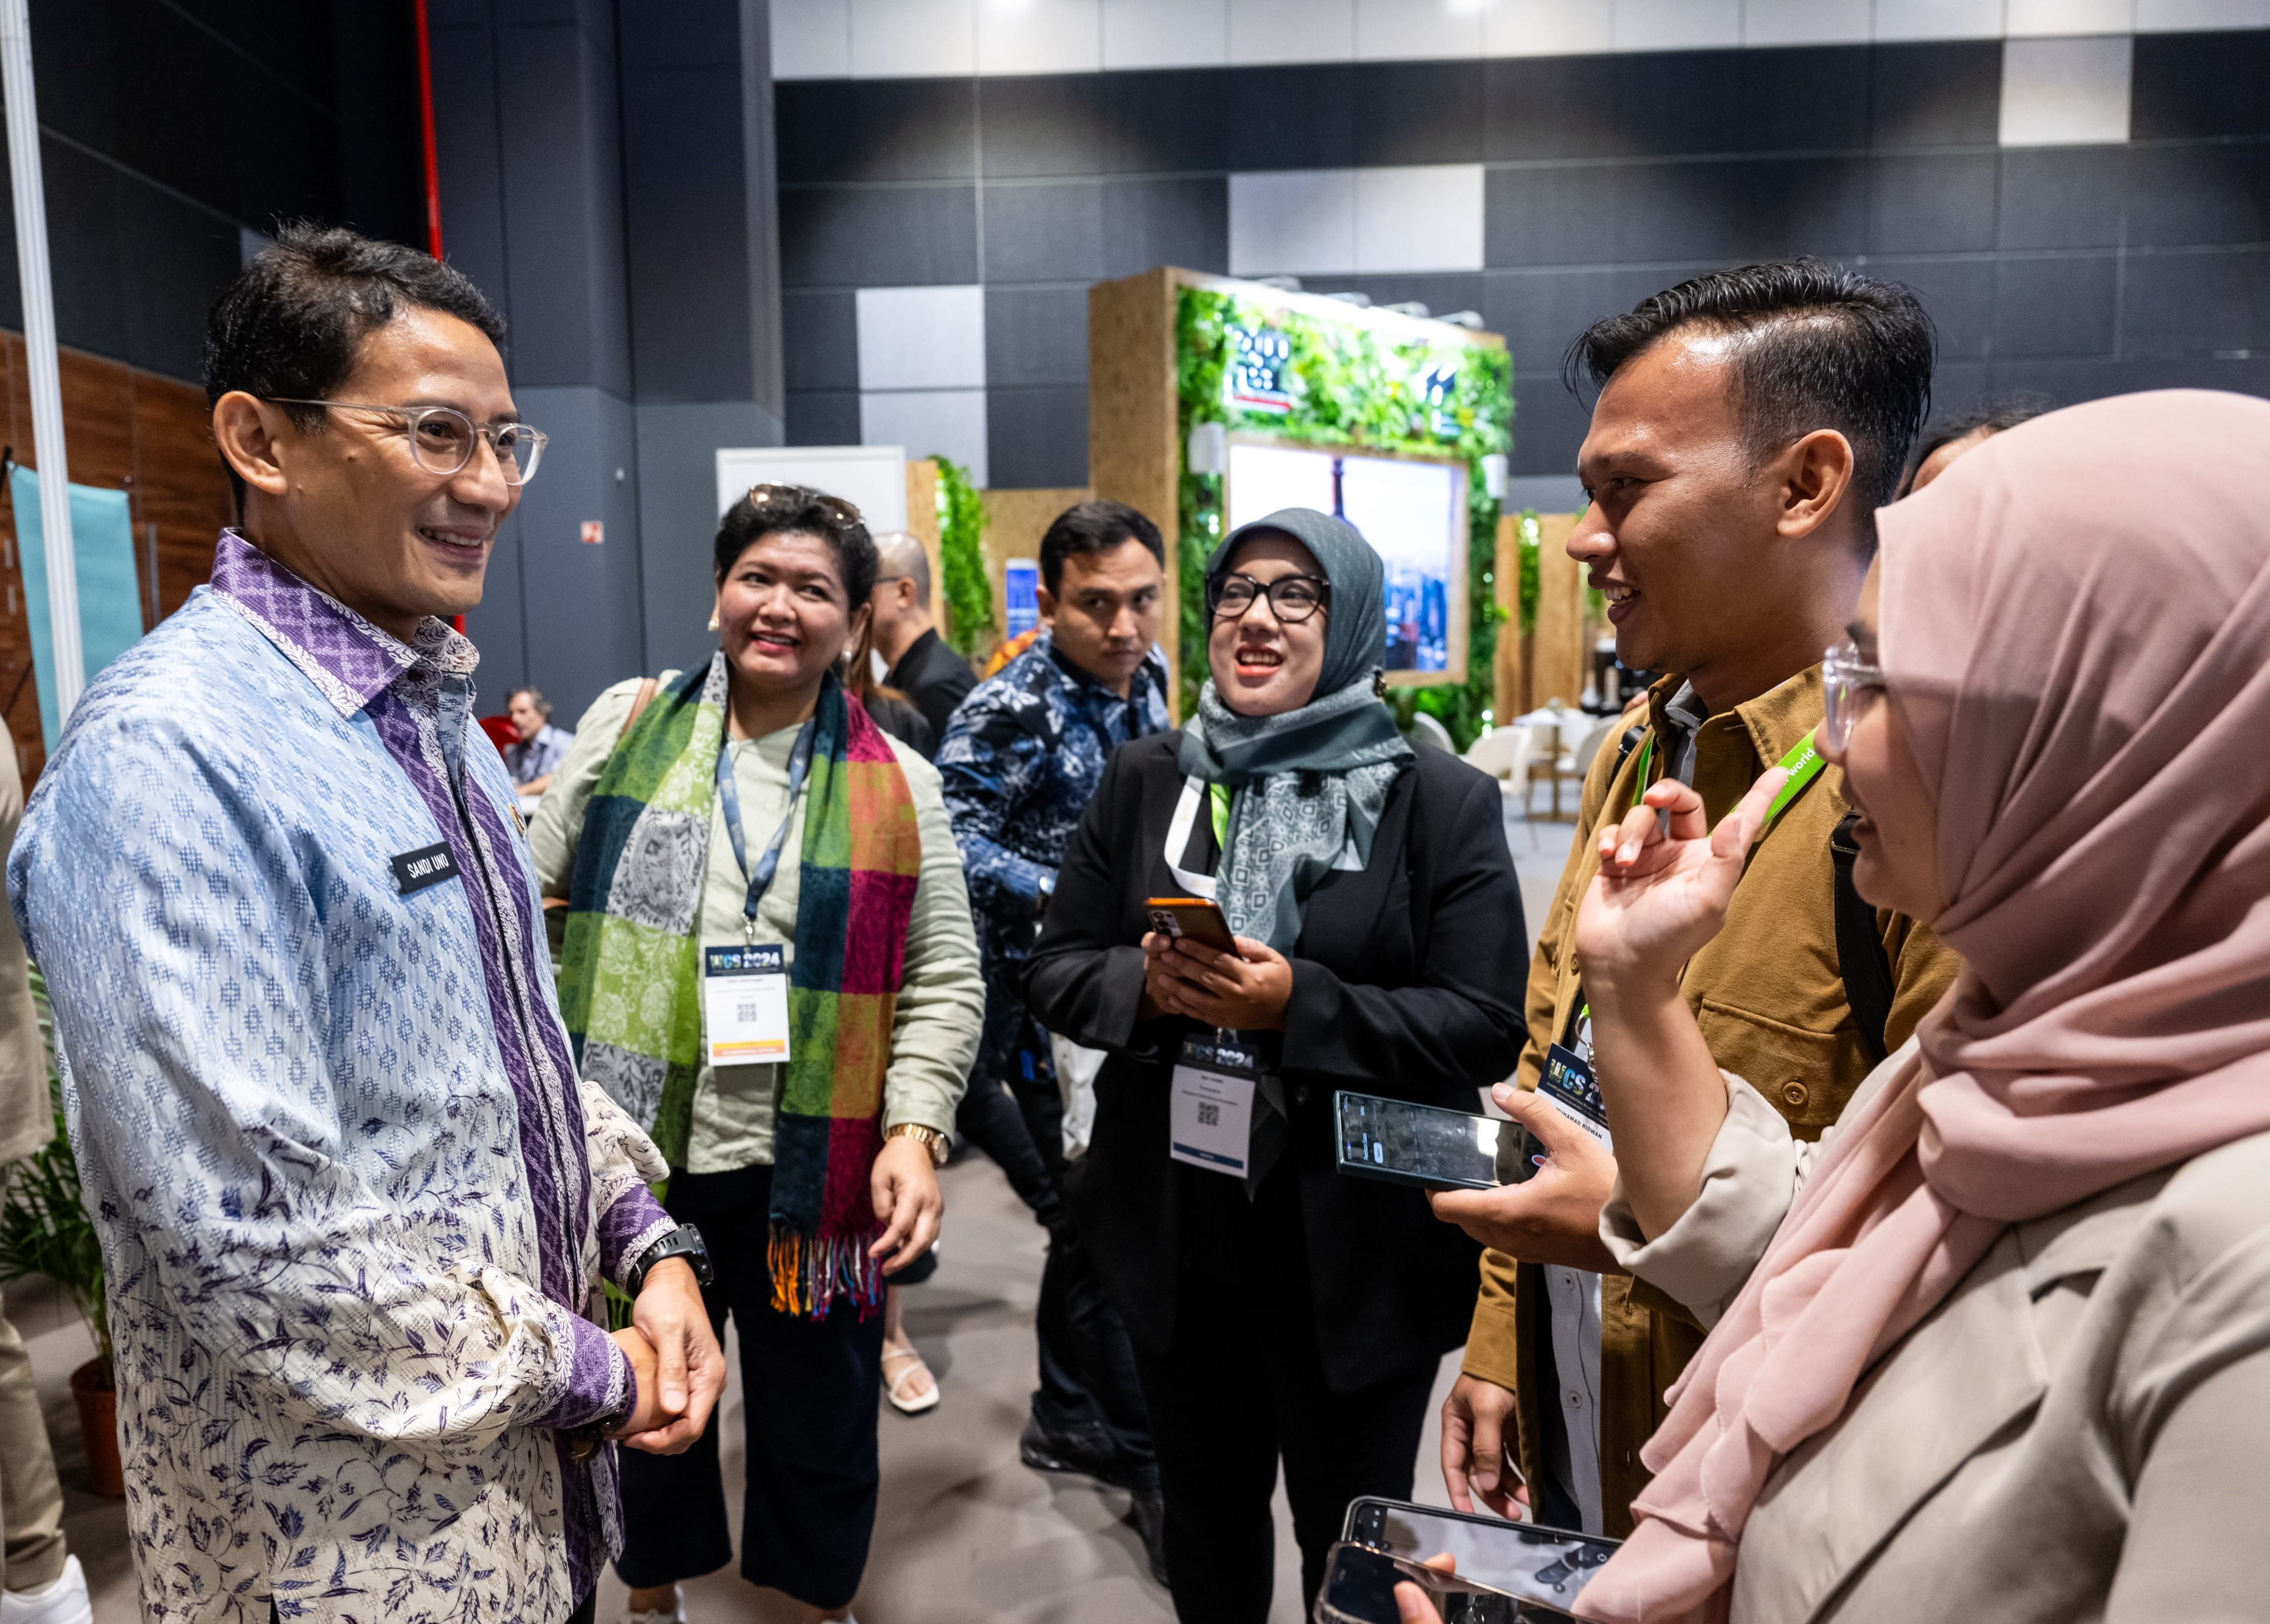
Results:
<point x="1409" y="511"/>
<point x="1423" y="1143"/>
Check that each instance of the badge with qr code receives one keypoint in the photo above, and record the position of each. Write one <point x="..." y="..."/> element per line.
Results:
<point x="745" y="1003"/>
<point x="1210" y="1109"/>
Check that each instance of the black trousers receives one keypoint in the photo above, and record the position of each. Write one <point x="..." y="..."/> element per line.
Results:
<point x="1242" y="1389"/>
<point x="809" y="1392"/>
<point x="1087" y="1382"/>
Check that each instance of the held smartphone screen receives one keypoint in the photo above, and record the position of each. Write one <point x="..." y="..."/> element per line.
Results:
<point x="1428" y="1146"/>
<point x="1539" y="1566"/>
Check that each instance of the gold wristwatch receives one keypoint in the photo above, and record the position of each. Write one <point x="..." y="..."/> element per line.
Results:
<point x="930" y="1139"/>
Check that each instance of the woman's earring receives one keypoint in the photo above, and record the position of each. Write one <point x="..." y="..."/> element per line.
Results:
<point x="713" y="619"/>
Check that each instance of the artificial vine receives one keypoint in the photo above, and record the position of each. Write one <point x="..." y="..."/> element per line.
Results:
<point x="960" y="524"/>
<point x="1349" y="385"/>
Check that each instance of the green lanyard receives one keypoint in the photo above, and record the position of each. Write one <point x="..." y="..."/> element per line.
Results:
<point x="1803" y="764"/>
<point x="1217" y="803"/>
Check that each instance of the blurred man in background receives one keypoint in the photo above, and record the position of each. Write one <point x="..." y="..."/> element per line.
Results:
<point x="921" y="666"/>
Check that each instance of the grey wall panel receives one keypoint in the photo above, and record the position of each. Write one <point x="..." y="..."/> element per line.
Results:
<point x="1442" y="293"/>
<point x="1036" y="437"/>
<point x="1165" y="122"/>
<point x="1296" y="117"/>
<point x="1958" y="387"/>
<point x="2055" y="306"/>
<point x="2182" y="194"/>
<point x="85" y="256"/>
<point x="562" y="161"/>
<point x="678" y="447"/>
<point x="1046" y="125"/>
<point x="685" y="199"/>
<point x="879" y="237"/>
<point x="821" y="331"/>
<point x="1807" y="98"/>
<point x="1935" y="203"/>
<point x="1167" y="221"/>
<point x="469" y="151"/>
<point x="375" y="56"/>
<point x="1943" y="93"/>
<point x="1419" y="113"/>
<point x="761" y="211"/>
<point x="580" y="604"/>
<point x="1035" y="335"/>
<point x="876" y="129"/>
<point x="1549" y="214"/>
<point x="1960" y="296"/>
<point x="823" y="417"/>
<point x="2187" y="303"/>
<point x="2062" y="197"/>
<point x="2200" y="85"/>
<point x="1043" y="231"/>
<point x="1548" y="424"/>
<point x="169" y="292"/>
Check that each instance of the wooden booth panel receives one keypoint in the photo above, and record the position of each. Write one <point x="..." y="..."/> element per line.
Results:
<point x="1015" y="520"/>
<point x="1561" y="657"/>
<point x="127" y="429"/>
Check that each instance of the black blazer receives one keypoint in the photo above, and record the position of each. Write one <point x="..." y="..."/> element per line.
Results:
<point x="935" y="678"/>
<point x="1407" y="981"/>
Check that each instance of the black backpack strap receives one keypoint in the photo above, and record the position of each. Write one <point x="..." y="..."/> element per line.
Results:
<point x="1859" y="950"/>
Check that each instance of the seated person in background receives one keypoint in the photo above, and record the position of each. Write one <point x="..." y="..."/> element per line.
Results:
<point x="922" y="667"/>
<point x="1999" y="1347"/>
<point x="1281" y="1311"/>
<point x="541" y="746"/>
<point x="1749" y="424"/>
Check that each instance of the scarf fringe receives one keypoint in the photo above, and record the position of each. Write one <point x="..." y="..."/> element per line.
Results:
<point x="810" y="1273"/>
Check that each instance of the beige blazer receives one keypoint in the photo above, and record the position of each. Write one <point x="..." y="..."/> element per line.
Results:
<point x="2079" y="1432"/>
<point x="27" y="1118"/>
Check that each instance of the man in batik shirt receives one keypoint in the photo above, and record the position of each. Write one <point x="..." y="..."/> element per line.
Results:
<point x="1021" y="761"/>
<point x="355" y="1207"/>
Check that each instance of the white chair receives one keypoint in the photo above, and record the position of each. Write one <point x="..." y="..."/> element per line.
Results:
<point x="1504" y="753"/>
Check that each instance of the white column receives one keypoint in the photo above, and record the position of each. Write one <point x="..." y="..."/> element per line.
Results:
<point x="40" y="352"/>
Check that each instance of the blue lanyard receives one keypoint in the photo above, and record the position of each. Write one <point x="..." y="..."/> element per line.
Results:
<point x="800" y="763"/>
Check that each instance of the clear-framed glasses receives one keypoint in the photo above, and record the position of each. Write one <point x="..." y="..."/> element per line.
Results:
<point x="1292" y="598"/>
<point x="1846" y="682"/>
<point x="442" y="438"/>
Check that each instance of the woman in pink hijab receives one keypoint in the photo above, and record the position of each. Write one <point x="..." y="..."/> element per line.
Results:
<point x="1998" y="1348"/>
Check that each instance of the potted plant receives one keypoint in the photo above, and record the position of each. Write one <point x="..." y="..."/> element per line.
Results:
<point x="45" y="1228"/>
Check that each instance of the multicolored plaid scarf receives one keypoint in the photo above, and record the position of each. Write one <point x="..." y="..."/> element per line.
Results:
<point x="630" y="982"/>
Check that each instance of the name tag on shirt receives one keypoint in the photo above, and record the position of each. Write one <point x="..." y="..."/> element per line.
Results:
<point x="745" y="999"/>
<point x="429" y="865"/>
<point x="1210" y="1108"/>
<point x="1567" y="1082"/>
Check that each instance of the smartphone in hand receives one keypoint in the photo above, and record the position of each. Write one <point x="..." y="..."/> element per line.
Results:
<point x="1198" y="918"/>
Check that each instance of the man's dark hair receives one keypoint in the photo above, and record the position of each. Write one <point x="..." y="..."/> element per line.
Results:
<point x="1095" y="527"/>
<point x="1993" y="416"/>
<point x="781" y="509"/>
<point x="1826" y="348"/>
<point x="291" y="325"/>
<point x="535" y="698"/>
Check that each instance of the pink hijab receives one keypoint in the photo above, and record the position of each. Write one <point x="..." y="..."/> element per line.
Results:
<point x="2076" y="629"/>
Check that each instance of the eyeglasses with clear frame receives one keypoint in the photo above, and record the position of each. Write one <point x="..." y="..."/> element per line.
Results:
<point x="1292" y="598"/>
<point x="442" y="438"/>
<point x="1846" y="682"/>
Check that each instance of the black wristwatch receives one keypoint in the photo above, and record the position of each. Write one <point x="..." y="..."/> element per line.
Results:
<point x="685" y="1242"/>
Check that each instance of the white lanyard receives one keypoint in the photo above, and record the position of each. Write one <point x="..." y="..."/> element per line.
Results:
<point x="1179" y="838"/>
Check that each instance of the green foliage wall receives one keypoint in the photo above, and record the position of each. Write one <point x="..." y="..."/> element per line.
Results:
<point x="1350" y="386"/>
<point x="968" y="594"/>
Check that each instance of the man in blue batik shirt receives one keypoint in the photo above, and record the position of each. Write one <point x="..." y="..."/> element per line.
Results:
<point x="1021" y="759"/>
<point x="355" y="1206"/>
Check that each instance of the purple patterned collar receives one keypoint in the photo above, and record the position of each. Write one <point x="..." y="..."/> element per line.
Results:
<point x="349" y="659"/>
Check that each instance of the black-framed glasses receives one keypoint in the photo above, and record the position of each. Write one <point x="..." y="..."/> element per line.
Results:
<point x="1292" y="598"/>
<point x="1846" y="682"/>
<point x="442" y="439"/>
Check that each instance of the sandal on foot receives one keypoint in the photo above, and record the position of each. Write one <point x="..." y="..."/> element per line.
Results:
<point x="892" y="1388"/>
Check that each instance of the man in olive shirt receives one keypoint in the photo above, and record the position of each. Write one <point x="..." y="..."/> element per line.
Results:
<point x="1749" y="423"/>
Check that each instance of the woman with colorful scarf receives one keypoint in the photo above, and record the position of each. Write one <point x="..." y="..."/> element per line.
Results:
<point x="751" y="866"/>
<point x="1999" y="1347"/>
<point x="1278" y="1310"/>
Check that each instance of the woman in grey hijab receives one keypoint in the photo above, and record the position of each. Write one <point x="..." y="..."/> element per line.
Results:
<point x="1280" y="1312"/>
